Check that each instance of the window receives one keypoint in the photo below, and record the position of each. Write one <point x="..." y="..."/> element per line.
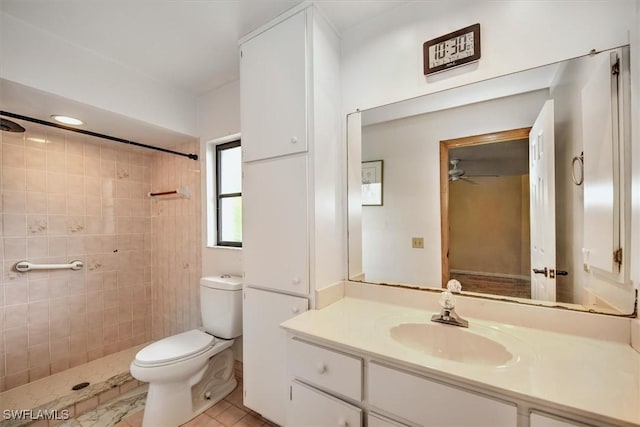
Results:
<point x="229" y="194"/>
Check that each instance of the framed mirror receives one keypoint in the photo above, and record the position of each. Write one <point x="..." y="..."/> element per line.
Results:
<point x="517" y="186"/>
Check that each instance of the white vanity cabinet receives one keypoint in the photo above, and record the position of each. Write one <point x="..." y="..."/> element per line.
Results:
<point x="544" y="420"/>
<point x="375" y="420"/>
<point x="309" y="407"/>
<point x="429" y="403"/>
<point x="334" y="371"/>
<point x="273" y="90"/>
<point x="332" y="391"/>
<point x="322" y="380"/>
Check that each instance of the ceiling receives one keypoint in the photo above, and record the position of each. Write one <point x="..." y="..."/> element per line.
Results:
<point x="188" y="44"/>
<point x="496" y="159"/>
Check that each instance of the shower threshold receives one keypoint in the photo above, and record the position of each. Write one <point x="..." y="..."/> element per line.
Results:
<point x="52" y="396"/>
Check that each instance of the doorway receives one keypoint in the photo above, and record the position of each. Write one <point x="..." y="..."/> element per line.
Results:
<point x="484" y="185"/>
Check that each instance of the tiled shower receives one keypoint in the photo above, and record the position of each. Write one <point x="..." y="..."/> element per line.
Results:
<point x="66" y="196"/>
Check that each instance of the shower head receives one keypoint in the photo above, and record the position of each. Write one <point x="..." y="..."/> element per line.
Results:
<point x="9" y="126"/>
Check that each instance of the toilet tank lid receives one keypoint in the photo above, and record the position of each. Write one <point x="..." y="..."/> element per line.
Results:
<point x="224" y="282"/>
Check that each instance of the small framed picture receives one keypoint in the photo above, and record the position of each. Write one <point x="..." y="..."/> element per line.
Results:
<point x="372" y="183"/>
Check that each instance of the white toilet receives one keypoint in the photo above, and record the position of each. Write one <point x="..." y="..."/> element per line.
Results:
<point x="189" y="372"/>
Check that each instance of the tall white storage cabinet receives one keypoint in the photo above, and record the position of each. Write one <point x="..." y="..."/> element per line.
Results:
<point x="265" y="382"/>
<point x="275" y="247"/>
<point x="292" y="202"/>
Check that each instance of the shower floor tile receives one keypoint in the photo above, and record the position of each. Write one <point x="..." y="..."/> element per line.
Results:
<point x="129" y="405"/>
<point x="58" y="386"/>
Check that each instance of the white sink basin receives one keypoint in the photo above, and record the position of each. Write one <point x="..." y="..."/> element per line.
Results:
<point x="452" y="343"/>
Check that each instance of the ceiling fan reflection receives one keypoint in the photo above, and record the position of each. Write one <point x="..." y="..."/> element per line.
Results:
<point x="457" y="174"/>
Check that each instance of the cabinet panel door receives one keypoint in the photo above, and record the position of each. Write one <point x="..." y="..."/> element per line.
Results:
<point x="275" y="249"/>
<point x="266" y="389"/>
<point x="429" y="403"/>
<point x="273" y="91"/>
<point x="309" y="407"/>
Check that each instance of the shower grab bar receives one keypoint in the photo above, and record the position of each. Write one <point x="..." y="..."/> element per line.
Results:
<point x="24" y="266"/>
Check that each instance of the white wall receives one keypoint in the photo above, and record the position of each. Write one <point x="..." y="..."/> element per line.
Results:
<point x="382" y="58"/>
<point x="566" y="92"/>
<point x="327" y="245"/>
<point x="218" y="117"/>
<point x="39" y="59"/>
<point x="410" y="149"/>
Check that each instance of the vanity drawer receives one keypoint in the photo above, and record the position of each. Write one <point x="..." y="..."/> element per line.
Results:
<point x="375" y="420"/>
<point x="430" y="403"/>
<point x="539" y="419"/>
<point x="312" y="408"/>
<point x="328" y="369"/>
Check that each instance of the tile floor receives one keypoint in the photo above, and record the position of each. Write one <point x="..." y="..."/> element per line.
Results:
<point x="229" y="412"/>
<point x="53" y="391"/>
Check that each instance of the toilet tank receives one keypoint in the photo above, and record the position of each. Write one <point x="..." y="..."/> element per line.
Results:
<point x="221" y="305"/>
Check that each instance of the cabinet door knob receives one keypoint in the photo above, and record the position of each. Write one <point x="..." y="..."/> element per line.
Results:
<point x="295" y="310"/>
<point x="294" y="140"/>
<point x="342" y="422"/>
<point x="296" y="281"/>
<point x="321" y="368"/>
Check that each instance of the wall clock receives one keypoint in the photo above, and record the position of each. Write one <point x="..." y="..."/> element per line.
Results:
<point x="452" y="50"/>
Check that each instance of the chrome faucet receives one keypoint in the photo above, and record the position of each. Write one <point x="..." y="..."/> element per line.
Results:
<point x="448" y="314"/>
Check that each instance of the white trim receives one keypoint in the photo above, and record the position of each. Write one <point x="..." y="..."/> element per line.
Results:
<point x="233" y="248"/>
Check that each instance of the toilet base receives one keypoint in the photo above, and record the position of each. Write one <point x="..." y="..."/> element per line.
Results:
<point x="173" y="404"/>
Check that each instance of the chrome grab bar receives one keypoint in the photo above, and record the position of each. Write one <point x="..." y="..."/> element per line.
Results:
<point x="24" y="266"/>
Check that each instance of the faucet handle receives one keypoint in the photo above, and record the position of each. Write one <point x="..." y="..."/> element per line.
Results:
<point x="454" y="286"/>
<point x="447" y="300"/>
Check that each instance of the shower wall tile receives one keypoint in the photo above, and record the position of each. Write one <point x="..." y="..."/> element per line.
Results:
<point x="77" y="197"/>
<point x="175" y="244"/>
<point x="73" y="197"/>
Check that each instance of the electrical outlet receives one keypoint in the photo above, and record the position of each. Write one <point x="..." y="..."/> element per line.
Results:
<point x="417" y="242"/>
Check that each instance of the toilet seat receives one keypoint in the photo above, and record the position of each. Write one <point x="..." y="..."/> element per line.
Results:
<point x="174" y="348"/>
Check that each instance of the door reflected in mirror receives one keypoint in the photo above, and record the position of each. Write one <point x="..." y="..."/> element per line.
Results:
<point x="484" y="187"/>
<point x="484" y="175"/>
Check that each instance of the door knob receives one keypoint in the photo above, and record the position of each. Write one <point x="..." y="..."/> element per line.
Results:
<point x="540" y="271"/>
<point x="294" y="140"/>
<point x="562" y="273"/>
<point x="321" y="368"/>
<point x="296" y="281"/>
<point x="295" y="310"/>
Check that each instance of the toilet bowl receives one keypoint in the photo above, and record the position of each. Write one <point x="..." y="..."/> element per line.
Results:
<point x="191" y="371"/>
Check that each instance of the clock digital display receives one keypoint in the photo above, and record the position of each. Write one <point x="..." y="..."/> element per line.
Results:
<point x="452" y="50"/>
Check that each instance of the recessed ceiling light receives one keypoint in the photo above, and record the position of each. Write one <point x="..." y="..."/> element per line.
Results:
<point x="67" y="120"/>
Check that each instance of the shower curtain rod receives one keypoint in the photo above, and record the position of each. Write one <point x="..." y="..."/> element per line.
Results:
<point x="98" y="135"/>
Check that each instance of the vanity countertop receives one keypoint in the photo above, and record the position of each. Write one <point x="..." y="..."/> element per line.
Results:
<point x="584" y="376"/>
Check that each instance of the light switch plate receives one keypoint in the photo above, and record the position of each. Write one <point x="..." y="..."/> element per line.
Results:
<point x="417" y="242"/>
